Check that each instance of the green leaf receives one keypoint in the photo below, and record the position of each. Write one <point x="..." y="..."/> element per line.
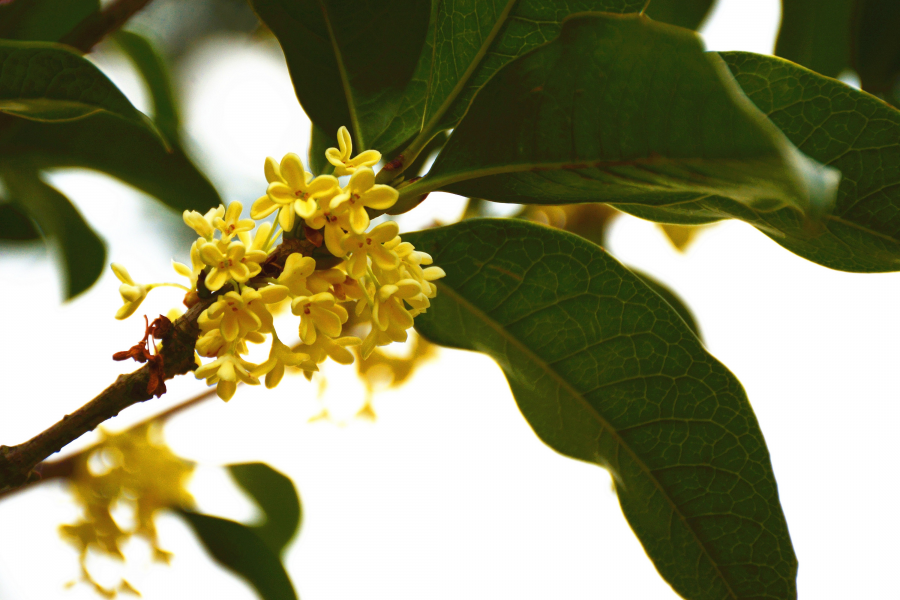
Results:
<point x="43" y="20"/>
<point x="623" y="109"/>
<point x="469" y="41"/>
<point x="689" y="14"/>
<point x="319" y="142"/>
<point x="607" y="372"/>
<point x="350" y="61"/>
<point x="671" y="298"/>
<point x="155" y="74"/>
<point x="119" y="148"/>
<point x="78" y="247"/>
<point x="15" y="225"/>
<point x="277" y="497"/>
<point x="816" y="34"/>
<point x="49" y="82"/>
<point x="838" y="126"/>
<point x="239" y="549"/>
<point x="877" y="49"/>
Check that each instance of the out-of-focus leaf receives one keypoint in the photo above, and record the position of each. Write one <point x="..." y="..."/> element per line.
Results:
<point x="116" y="147"/>
<point x="48" y="82"/>
<point x="609" y="113"/>
<point x="689" y="14"/>
<point x="816" y="34"/>
<point x="431" y="148"/>
<point x="155" y="74"/>
<point x="606" y="371"/>
<point x="43" y="20"/>
<point x="877" y="48"/>
<point x="240" y="549"/>
<point x="15" y="225"/>
<point x="673" y="299"/>
<point x="847" y="129"/>
<point x="277" y="497"/>
<point x="80" y="250"/>
<point x="350" y="60"/>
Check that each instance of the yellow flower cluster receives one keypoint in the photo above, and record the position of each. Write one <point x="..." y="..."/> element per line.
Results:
<point x="382" y="279"/>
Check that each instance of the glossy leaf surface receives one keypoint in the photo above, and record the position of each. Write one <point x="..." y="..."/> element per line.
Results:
<point x="119" y="148"/>
<point x="277" y="497"/>
<point x="606" y="371"/>
<point x="48" y="82"/>
<point x="623" y="109"/>
<point x="77" y="246"/>
<point x="838" y="126"/>
<point x="239" y="549"/>
<point x="350" y="60"/>
<point x="876" y="55"/>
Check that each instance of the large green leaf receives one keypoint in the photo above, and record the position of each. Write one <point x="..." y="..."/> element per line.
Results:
<point x="350" y="60"/>
<point x="126" y="151"/>
<point x="240" y="549"/>
<point x="671" y="298"/>
<point x="79" y="249"/>
<point x="623" y="109"/>
<point x="155" y="74"/>
<point x="469" y="42"/>
<point x="49" y="82"/>
<point x="606" y="371"/>
<point x="816" y="34"/>
<point x="838" y="126"/>
<point x="43" y="20"/>
<point x="277" y="497"/>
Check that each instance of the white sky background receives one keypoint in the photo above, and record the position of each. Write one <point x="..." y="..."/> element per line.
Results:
<point x="449" y="494"/>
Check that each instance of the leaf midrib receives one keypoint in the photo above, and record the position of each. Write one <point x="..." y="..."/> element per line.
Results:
<point x="345" y="81"/>
<point x="443" y="288"/>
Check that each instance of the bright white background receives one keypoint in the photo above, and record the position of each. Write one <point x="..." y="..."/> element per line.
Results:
<point x="448" y="494"/>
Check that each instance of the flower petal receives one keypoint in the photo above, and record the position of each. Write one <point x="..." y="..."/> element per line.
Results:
<point x="293" y="172"/>
<point x="380" y="197"/>
<point x="359" y="219"/>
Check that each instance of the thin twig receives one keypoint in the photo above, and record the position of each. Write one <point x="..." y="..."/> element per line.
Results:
<point x="17" y="462"/>
<point x="97" y="26"/>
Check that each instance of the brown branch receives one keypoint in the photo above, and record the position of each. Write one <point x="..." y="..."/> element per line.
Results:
<point x="94" y="28"/>
<point x="17" y="462"/>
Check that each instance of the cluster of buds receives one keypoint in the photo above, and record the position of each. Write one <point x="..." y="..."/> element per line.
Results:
<point x="372" y="273"/>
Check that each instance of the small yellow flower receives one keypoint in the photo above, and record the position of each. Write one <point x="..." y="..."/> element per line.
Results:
<point x="204" y="225"/>
<point x="361" y="246"/>
<point x="362" y="193"/>
<point x="225" y="266"/>
<point x="256" y="301"/>
<point x="318" y="312"/>
<point x="232" y="223"/>
<point x="343" y="164"/>
<point x="388" y="309"/>
<point x="280" y="356"/>
<point x="196" y="267"/>
<point x="234" y="317"/>
<point x="296" y="192"/>
<point x="226" y="371"/>
<point x="297" y="269"/>
<point x="132" y="293"/>
<point x="336" y="348"/>
<point x="335" y="222"/>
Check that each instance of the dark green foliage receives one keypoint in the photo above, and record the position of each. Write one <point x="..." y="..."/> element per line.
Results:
<point x="79" y="250"/>
<point x="629" y="130"/>
<point x="277" y="497"/>
<point x="816" y="34"/>
<point x="239" y="549"/>
<point x="350" y="60"/>
<point x="607" y="372"/>
<point x="15" y="225"/>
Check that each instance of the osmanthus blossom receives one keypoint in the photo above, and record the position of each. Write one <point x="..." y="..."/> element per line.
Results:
<point x="361" y="193"/>
<point x="243" y="273"/>
<point x="340" y="156"/>
<point x="293" y="193"/>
